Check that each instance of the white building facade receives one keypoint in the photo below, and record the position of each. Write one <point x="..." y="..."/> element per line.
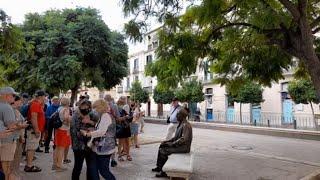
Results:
<point x="278" y="109"/>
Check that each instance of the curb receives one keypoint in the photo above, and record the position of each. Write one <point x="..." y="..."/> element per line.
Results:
<point x="279" y="132"/>
<point x="313" y="176"/>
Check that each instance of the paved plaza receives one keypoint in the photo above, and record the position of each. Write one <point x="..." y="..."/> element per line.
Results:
<point x="219" y="155"/>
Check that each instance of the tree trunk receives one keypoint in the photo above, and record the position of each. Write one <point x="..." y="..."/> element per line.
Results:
<point x="74" y="92"/>
<point x="314" y="119"/>
<point x="300" y="43"/>
<point x="160" y="109"/>
<point x="240" y="113"/>
<point x="149" y="108"/>
<point x="307" y="48"/>
<point x="250" y="115"/>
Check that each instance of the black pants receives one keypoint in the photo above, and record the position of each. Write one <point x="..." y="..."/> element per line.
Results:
<point x="49" y="137"/>
<point x="103" y="167"/>
<point x="90" y="157"/>
<point x="164" y="152"/>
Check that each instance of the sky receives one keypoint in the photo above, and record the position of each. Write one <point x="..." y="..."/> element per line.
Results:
<point x="110" y="10"/>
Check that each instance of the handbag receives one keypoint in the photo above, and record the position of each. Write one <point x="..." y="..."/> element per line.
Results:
<point x="168" y="118"/>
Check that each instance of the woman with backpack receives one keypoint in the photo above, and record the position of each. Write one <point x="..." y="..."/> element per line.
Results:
<point x="62" y="139"/>
<point x="102" y="139"/>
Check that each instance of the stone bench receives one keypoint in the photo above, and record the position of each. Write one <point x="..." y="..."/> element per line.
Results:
<point x="179" y="165"/>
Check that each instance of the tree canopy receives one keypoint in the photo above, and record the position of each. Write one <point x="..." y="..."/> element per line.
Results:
<point x="138" y="94"/>
<point x="302" y="91"/>
<point x="72" y="47"/>
<point x="252" y="39"/>
<point x="11" y="42"/>
<point x="162" y="96"/>
<point x="190" y="91"/>
<point x="248" y="92"/>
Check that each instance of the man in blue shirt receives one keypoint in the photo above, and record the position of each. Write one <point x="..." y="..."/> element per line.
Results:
<point x="55" y="102"/>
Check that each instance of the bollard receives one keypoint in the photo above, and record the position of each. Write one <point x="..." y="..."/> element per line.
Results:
<point x="268" y="123"/>
<point x="255" y="122"/>
<point x="294" y="124"/>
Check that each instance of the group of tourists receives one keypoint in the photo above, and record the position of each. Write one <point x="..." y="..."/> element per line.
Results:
<point x="92" y="129"/>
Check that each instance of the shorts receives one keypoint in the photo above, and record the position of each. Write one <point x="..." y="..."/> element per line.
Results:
<point x="7" y="151"/>
<point x="134" y="127"/>
<point x="62" y="138"/>
<point x="32" y="142"/>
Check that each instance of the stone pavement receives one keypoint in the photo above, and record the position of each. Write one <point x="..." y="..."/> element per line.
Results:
<point x="219" y="155"/>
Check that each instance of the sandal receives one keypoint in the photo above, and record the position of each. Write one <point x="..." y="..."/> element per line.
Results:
<point x="32" y="169"/>
<point x="129" y="158"/>
<point x="120" y="158"/>
<point x="66" y="161"/>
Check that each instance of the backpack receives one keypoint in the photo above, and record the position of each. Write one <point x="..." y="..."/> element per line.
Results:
<point x="55" y="120"/>
<point x="24" y="110"/>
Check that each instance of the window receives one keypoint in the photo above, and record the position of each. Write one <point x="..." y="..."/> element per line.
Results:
<point x="149" y="59"/>
<point x="136" y="65"/>
<point x="284" y="87"/>
<point x="128" y="83"/>
<point x="209" y="91"/>
<point x="155" y="44"/>
<point x="136" y="78"/>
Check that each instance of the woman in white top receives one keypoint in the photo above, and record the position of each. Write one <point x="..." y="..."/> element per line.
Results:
<point x="62" y="139"/>
<point x="103" y="138"/>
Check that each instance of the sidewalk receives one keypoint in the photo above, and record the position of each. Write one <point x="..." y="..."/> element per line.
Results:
<point x="219" y="155"/>
<point x="280" y="132"/>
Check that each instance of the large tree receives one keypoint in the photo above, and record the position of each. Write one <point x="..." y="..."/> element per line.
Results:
<point x="73" y="47"/>
<point x="11" y="43"/>
<point x="302" y="91"/>
<point x="254" y="39"/>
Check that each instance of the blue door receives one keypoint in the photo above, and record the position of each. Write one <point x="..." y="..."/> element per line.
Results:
<point x="287" y="106"/>
<point x="210" y="115"/>
<point x="256" y="114"/>
<point x="230" y="114"/>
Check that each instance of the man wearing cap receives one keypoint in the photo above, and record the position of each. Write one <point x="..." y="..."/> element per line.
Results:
<point x="180" y="143"/>
<point x="7" y="122"/>
<point x="175" y="108"/>
<point x="50" y="110"/>
<point x="37" y="119"/>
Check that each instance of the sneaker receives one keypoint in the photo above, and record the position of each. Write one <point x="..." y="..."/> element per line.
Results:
<point x="39" y="150"/>
<point x="113" y="163"/>
<point x="157" y="169"/>
<point x="66" y="161"/>
<point x="161" y="174"/>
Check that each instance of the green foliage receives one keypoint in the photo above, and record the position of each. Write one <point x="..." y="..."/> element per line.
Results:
<point x="11" y="43"/>
<point x="138" y="94"/>
<point x="190" y="91"/>
<point x="302" y="91"/>
<point x="163" y="96"/>
<point x="248" y="92"/>
<point x="249" y="39"/>
<point x="71" y="47"/>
